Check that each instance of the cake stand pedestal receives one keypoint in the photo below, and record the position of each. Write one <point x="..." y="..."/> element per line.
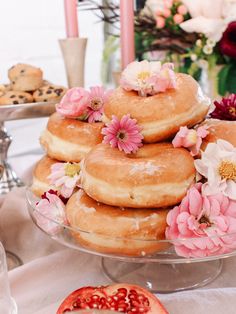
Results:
<point x="9" y="178"/>
<point x="162" y="278"/>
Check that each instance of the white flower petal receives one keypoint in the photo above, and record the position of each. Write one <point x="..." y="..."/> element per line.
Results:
<point x="230" y="189"/>
<point x="194" y="7"/>
<point x="212" y="9"/>
<point x="212" y="28"/>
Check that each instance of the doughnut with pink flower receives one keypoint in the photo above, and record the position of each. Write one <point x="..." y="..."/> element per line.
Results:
<point x="154" y="160"/>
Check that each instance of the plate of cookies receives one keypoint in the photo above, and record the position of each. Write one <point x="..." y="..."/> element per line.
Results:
<point x="28" y="95"/>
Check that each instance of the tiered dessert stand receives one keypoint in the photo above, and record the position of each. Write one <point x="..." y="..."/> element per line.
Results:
<point x="163" y="271"/>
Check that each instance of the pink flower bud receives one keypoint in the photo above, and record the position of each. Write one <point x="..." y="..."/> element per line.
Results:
<point x="166" y="13"/>
<point x="182" y="9"/>
<point x="178" y="18"/>
<point x="160" y="22"/>
<point x="159" y="12"/>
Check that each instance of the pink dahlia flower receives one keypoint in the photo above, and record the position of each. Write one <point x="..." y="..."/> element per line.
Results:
<point x="190" y="138"/>
<point x="74" y="103"/>
<point x="49" y="209"/>
<point x="97" y="99"/>
<point x="202" y="225"/>
<point x="124" y="134"/>
<point x="65" y="176"/>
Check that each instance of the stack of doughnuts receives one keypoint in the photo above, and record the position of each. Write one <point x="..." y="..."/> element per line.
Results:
<point x="124" y="199"/>
<point x="64" y="140"/>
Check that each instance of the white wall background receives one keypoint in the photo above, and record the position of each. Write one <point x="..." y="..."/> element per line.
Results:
<point x="29" y="33"/>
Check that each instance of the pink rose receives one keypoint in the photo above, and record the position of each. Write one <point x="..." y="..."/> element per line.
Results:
<point x="74" y="103"/>
<point x="202" y="225"/>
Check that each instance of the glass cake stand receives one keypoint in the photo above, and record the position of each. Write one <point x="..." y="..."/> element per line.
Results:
<point x="161" y="270"/>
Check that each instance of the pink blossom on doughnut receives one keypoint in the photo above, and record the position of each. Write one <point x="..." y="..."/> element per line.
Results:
<point x="124" y="134"/>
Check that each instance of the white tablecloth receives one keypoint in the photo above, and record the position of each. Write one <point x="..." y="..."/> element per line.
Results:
<point x="51" y="271"/>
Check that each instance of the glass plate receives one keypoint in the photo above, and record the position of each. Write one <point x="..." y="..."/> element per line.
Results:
<point x="26" y="111"/>
<point x="160" y="270"/>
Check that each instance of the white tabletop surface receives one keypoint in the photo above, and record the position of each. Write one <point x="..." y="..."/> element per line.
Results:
<point x="51" y="271"/>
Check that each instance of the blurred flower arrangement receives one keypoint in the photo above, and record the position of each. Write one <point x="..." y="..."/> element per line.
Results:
<point x="198" y="36"/>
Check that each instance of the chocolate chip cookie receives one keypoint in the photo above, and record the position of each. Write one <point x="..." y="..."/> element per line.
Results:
<point x="49" y="93"/>
<point x="15" y="98"/>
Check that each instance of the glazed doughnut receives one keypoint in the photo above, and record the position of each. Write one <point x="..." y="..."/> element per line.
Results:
<point x="70" y="139"/>
<point x="113" y="229"/>
<point x="42" y="170"/>
<point x="220" y="129"/>
<point x="157" y="175"/>
<point x="161" y="115"/>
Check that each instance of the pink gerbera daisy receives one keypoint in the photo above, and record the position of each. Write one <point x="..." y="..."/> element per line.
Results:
<point x="97" y="98"/>
<point x="124" y="134"/>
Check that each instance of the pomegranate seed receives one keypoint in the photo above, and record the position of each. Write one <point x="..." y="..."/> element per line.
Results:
<point x="122" y="290"/>
<point x="121" y="295"/>
<point x="122" y="308"/>
<point x="103" y="300"/>
<point x="95" y="305"/>
<point x="75" y="304"/>
<point x="141" y="297"/>
<point x="133" y="292"/>
<point x="135" y="303"/>
<point x="104" y="307"/>
<point x="84" y="306"/>
<point x="95" y="297"/>
<point x="115" y="298"/>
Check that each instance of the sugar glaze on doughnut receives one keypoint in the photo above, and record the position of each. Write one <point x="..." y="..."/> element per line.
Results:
<point x="161" y="115"/>
<point x="116" y="230"/>
<point x="70" y="139"/>
<point x="157" y="175"/>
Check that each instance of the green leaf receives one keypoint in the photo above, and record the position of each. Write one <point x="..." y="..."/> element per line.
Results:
<point x="223" y="79"/>
<point x="231" y="79"/>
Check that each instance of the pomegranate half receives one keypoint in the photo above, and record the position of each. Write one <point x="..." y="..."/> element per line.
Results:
<point x="123" y="298"/>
